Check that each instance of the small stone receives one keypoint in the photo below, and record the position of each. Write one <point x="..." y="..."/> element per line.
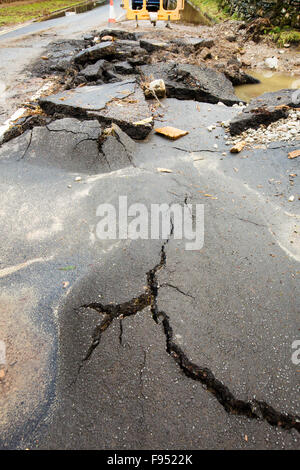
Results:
<point x="271" y="63"/>
<point x="156" y="88"/>
<point x="107" y="38"/>
<point x="78" y="178"/>
<point x="238" y="147"/>
<point x="230" y="38"/>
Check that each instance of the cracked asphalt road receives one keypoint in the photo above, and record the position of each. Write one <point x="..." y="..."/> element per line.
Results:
<point x="232" y="306"/>
<point x="141" y="344"/>
<point x="21" y="46"/>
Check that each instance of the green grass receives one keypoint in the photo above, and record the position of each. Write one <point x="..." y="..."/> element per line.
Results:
<point x="212" y="8"/>
<point x="285" y="35"/>
<point x="10" y="15"/>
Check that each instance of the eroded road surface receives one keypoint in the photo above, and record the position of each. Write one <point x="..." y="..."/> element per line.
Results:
<point x="142" y="344"/>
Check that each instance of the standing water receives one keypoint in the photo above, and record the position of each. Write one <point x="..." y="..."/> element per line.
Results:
<point x="269" y="81"/>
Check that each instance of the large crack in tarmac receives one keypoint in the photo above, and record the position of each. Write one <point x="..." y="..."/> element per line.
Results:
<point x="70" y="135"/>
<point x="254" y="409"/>
<point x="257" y="410"/>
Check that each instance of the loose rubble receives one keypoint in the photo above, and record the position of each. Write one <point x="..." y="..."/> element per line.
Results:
<point x="107" y="75"/>
<point x="265" y="109"/>
<point x="285" y="129"/>
<point x="77" y="137"/>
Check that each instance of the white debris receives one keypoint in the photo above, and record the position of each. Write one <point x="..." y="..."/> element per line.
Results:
<point x="284" y="129"/>
<point x="156" y="87"/>
<point x="271" y="63"/>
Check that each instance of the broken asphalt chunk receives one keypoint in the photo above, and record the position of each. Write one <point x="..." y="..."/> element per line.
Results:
<point x="122" y="103"/>
<point x="23" y="124"/>
<point x="193" y="43"/>
<point x="120" y="34"/>
<point x="264" y="109"/>
<point x="60" y="57"/>
<point x="99" y="51"/>
<point x="152" y="45"/>
<point x="130" y="51"/>
<point x="94" y="71"/>
<point x="79" y="101"/>
<point x="121" y="50"/>
<point x="67" y="144"/>
<point x="131" y="114"/>
<point x="118" y="148"/>
<point x="192" y="82"/>
<point x="123" y="67"/>
<point x="171" y="132"/>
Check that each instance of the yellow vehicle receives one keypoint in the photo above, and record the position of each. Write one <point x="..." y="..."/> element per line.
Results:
<point x="153" y="10"/>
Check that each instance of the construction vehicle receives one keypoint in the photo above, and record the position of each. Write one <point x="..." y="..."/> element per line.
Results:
<point x="153" y="10"/>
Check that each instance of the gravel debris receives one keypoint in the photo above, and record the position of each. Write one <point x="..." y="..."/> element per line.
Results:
<point x="286" y="129"/>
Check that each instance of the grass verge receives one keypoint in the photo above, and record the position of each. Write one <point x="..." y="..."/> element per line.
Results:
<point x="212" y="9"/>
<point x="15" y="14"/>
<point x="285" y="35"/>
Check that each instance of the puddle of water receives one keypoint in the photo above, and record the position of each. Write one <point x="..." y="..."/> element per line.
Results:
<point x="270" y="81"/>
<point x="74" y="10"/>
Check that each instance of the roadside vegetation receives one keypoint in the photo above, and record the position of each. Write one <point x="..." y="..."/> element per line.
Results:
<point x="212" y="9"/>
<point x="216" y="11"/>
<point x="285" y="35"/>
<point x="19" y="12"/>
